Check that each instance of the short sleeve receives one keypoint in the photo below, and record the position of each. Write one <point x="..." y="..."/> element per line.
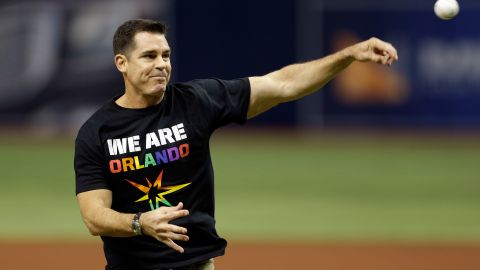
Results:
<point x="89" y="163"/>
<point x="228" y="100"/>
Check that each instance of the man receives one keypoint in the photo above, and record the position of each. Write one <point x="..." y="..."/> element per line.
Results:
<point x="144" y="177"/>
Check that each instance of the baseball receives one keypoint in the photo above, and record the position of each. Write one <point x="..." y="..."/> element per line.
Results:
<point x="446" y="9"/>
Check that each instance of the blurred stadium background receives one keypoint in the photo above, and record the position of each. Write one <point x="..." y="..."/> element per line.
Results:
<point x="382" y="155"/>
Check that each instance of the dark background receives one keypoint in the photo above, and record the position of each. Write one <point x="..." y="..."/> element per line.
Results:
<point x="57" y="64"/>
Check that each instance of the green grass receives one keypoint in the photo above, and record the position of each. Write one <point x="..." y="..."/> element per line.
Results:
<point x="288" y="187"/>
<point x="37" y="191"/>
<point x="348" y="188"/>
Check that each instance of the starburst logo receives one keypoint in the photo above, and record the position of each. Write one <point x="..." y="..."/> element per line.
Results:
<point x="156" y="192"/>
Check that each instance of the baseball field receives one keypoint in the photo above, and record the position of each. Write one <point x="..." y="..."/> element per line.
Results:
<point x="284" y="200"/>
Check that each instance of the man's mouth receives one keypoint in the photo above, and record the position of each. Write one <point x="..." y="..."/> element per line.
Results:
<point x="159" y="75"/>
<point x="159" y="78"/>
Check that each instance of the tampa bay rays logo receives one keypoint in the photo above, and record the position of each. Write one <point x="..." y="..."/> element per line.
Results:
<point x="156" y="192"/>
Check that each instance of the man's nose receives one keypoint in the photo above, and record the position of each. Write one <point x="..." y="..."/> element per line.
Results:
<point x="160" y="63"/>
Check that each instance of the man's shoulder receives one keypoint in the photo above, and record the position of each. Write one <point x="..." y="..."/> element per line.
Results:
<point x="192" y="85"/>
<point x="197" y="88"/>
<point x="204" y="86"/>
<point x="204" y="83"/>
<point x="97" y="119"/>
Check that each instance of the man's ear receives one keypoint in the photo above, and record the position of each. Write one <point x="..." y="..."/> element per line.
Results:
<point x="121" y="62"/>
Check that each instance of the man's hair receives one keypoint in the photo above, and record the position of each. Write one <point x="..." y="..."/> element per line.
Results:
<point x="123" y="38"/>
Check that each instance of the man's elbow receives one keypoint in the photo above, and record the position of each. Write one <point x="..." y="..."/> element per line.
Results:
<point x="94" y="232"/>
<point x="283" y="87"/>
<point x="288" y="92"/>
<point x="280" y="91"/>
<point x="92" y="228"/>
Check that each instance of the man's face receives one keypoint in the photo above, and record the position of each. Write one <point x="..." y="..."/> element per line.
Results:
<point x="147" y="66"/>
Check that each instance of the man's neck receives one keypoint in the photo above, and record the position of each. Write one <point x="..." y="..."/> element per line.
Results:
<point x="138" y="101"/>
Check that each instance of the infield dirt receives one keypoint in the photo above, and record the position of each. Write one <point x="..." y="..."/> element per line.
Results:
<point x="72" y="256"/>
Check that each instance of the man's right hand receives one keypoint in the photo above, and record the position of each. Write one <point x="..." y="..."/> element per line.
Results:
<point x="156" y="223"/>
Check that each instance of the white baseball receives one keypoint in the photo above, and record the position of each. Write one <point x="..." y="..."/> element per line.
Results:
<point x="446" y="9"/>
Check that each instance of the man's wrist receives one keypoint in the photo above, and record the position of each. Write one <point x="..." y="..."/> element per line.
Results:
<point x="347" y="55"/>
<point x="136" y="227"/>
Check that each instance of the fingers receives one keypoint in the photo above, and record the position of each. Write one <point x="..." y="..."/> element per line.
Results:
<point x="173" y="245"/>
<point x="174" y="212"/>
<point x="169" y="233"/>
<point x="175" y="236"/>
<point x="374" y="50"/>
<point x="382" y="57"/>
<point x="175" y="215"/>
<point x="384" y="51"/>
<point x="156" y="223"/>
<point x="170" y="228"/>
<point x="379" y="57"/>
<point x="378" y="51"/>
<point x="169" y="236"/>
<point x="179" y="206"/>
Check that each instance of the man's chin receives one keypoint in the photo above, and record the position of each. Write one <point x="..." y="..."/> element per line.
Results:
<point x="158" y="89"/>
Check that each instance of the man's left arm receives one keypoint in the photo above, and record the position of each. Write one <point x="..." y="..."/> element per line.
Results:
<point x="298" y="80"/>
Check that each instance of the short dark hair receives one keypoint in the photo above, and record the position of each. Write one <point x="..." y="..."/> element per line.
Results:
<point x="123" y="38"/>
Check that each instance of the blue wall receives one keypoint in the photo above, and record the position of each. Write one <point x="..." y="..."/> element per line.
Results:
<point x="228" y="39"/>
<point x="58" y="65"/>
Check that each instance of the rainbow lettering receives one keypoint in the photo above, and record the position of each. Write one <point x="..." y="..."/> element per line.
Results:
<point x="150" y="159"/>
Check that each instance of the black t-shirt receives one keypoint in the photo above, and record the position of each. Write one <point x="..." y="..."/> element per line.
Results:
<point x="160" y="156"/>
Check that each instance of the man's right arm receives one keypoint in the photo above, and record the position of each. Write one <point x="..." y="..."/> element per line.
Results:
<point x="298" y="80"/>
<point x="101" y="220"/>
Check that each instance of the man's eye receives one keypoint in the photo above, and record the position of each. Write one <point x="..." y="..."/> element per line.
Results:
<point x="150" y="56"/>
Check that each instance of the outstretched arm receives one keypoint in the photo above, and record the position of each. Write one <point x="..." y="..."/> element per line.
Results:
<point x="298" y="80"/>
